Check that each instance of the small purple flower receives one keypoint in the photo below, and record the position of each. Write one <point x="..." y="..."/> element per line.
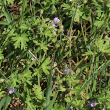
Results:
<point x="93" y="104"/>
<point x="11" y="90"/>
<point x="53" y="24"/>
<point x="67" y="70"/>
<point x="56" y="20"/>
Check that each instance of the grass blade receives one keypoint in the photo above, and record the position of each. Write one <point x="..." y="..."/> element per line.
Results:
<point x="3" y="100"/>
<point x="51" y="103"/>
<point x="8" y="99"/>
<point x="8" y="17"/>
<point x="49" y="87"/>
<point x="1" y="73"/>
<point x="4" y="23"/>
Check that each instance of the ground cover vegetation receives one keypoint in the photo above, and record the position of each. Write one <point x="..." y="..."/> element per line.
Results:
<point x="54" y="54"/>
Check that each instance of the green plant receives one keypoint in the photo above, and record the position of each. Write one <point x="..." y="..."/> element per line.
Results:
<point x="54" y="54"/>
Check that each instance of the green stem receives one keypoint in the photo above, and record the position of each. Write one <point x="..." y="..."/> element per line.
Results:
<point x="90" y="71"/>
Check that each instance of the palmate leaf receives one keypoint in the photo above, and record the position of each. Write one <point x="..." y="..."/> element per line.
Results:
<point x="20" y="40"/>
<point x="103" y="46"/>
<point x="41" y="44"/>
<point x="45" y="66"/>
<point x="30" y="105"/>
<point x="38" y="92"/>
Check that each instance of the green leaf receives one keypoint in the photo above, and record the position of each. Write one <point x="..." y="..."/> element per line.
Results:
<point x="4" y="23"/>
<point x="48" y="33"/>
<point x="28" y="99"/>
<point x="99" y="23"/>
<point x="8" y="17"/>
<point x="65" y="6"/>
<point x="26" y="74"/>
<point x="103" y="46"/>
<point x="37" y="91"/>
<point x="10" y="1"/>
<point x="1" y="55"/>
<point x="36" y="42"/>
<point x="2" y="102"/>
<point x="67" y="99"/>
<point x="2" y="80"/>
<point x="8" y="99"/>
<point x="51" y="103"/>
<point x="20" y="40"/>
<point x="24" y="26"/>
<point x="108" y="5"/>
<point x="78" y="15"/>
<point x="29" y="82"/>
<point x="89" y="52"/>
<point x="1" y="73"/>
<point x="43" y="46"/>
<point x="58" y="107"/>
<point x="45" y="66"/>
<point x="48" y="89"/>
<point x="17" y="93"/>
<point x="2" y="93"/>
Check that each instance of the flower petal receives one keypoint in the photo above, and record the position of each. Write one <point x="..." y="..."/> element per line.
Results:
<point x="56" y="20"/>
